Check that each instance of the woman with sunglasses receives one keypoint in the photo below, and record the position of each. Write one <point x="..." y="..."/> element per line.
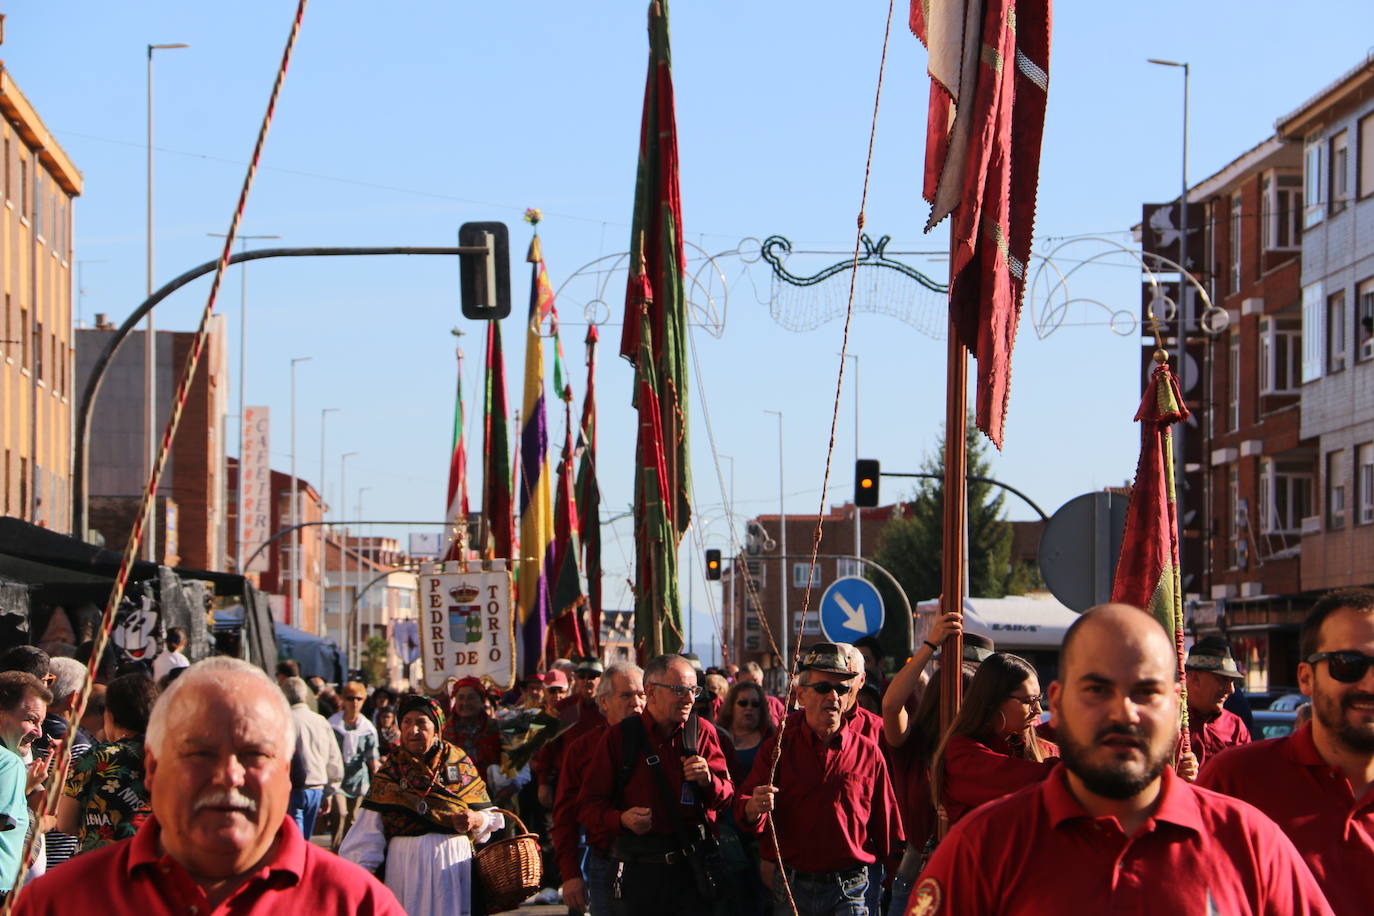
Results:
<point x="746" y="718"/>
<point x="991" y="748"/>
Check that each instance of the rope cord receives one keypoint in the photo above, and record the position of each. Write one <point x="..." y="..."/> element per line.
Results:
<point x="102" y="636"/>
<point x="830" y="445"/>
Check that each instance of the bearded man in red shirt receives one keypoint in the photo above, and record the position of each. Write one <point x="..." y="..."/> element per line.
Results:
<point x="1113" y="829"/>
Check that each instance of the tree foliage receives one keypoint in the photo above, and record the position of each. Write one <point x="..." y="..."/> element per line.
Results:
<point x="911" y="548"/>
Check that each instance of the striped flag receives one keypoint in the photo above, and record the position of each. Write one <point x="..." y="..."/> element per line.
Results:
<point x="569" y="595"/>
<point x="536" y="497"/>
<point x="498" y="515"/>
<point x="1147" y="571"/>
<point x="457" y="513"/>
<point x="654" y="339"/>
<point x="589" y="501"/>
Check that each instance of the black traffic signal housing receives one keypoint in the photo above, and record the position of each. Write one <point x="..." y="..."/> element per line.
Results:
<point x="484" y="278"/>
<point x="866" y="483"/>
<point x="713" y="565"/>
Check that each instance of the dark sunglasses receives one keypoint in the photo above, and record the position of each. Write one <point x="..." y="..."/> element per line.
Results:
<point x="1346" y="666"/>
<point x="825" y="687"/>
<point x="748" y="703"/>
<point x="587" y="675"/>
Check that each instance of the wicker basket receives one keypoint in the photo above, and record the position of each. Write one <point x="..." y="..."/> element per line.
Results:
<point x="510" y="870"/>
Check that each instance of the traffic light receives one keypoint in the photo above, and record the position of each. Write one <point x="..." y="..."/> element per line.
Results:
<point x="866" y="483"/>
<point x="713" y="565"/>
<point x="484" y="278"/>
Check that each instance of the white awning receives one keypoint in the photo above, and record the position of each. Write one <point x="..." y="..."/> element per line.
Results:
<point x="1018" y="622"/>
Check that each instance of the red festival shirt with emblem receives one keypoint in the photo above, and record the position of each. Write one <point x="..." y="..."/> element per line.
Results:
<point x="563" y="832"/>
<point x="835" y="807"/>
<point x="1314" y="803"/>
<point x="975" y="773"/>
<point x="1039" y="853"/>
<point x="135" y="878"/>
<point x="599" y="812"/>
<point x="1210" y="737"/>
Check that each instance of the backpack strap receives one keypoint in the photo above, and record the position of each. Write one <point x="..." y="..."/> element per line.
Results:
<point x="632" y="743"/>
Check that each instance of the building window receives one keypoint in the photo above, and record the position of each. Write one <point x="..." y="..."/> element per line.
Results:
<point x="1233" y="384"/>
<point x="845" y="566"/>
<point x="799" y="571"/>
<point x="38" y="205"/>
<point x="1281" y="227"/>
<point x="1235" y="242"/>
<point x="1366" y="178"/>
<point x="38" y="349"/>
<point x="1364" y="484"/>
<point x="1285" y="496"/>
<point x="23" y="186"/>
<point x="1280" y="357"/>
<point x="1236" y="528"/>
<point x="1364" y="319"/>
<point x="1313" y="184"/>
<point x="23" y="337"/>
<point x="1335" y="332"/>
<point x="1340" y="171"/>
<point x="1335" y="492"/>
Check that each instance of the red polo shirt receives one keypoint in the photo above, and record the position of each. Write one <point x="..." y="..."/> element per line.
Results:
<point x="868" y="724"/>
<point x="835" y="804"/>
<point x="599" y="812"/>
<point x="1038" y="852"/>
<point x="1314" y="804"/>
<point x="1210" y="737"/>
<point x="975" y="773"/>
<point x="584" y="716"/>
<point x="563" y="832"/>
<point x="136" y="878"/>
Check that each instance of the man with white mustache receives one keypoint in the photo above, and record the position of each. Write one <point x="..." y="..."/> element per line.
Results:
<point x="218" y="758"/>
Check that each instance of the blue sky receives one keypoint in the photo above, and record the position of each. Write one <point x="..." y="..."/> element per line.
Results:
<point x="401" y="121"/>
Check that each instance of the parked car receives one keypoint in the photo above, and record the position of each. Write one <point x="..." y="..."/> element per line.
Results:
<point x="1277" y="718"/>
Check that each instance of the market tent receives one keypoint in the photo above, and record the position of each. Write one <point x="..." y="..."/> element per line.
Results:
<point x="316" y="656"/>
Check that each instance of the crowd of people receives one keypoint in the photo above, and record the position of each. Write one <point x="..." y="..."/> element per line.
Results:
<point x="209" y="788"/>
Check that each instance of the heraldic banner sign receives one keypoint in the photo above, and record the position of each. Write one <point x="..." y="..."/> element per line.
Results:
<point x="466" y="623"/>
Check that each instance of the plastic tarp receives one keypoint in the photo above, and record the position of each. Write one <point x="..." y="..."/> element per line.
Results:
<point x="316" y="656"/>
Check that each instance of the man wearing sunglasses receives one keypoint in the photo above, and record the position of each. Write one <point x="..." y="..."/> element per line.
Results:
<point x="1316" y="783"/>
<point x="579" y="715"/>
<point x="831" y="801"/>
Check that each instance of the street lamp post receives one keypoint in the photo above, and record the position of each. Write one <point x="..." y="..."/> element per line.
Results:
<point x="243" y="366"/>
<point x="360" y="643"/>
<point x="343" y="554"/>
<point x="150" y="436"/>
<point x="324" y="503"/>
<point x="293" y="604"/>
<point x="782" y="542"/>
<point x="1181" y="428"/>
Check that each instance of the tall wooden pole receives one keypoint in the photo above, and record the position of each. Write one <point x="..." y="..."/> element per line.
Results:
<point x="956" y="512"/>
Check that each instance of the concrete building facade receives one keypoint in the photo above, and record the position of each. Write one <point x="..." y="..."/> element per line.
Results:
<point x="36" y="384"/>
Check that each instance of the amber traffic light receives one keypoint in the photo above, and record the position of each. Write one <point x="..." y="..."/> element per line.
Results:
<point x="866" y="483"/>
<point x="713" y="565"/>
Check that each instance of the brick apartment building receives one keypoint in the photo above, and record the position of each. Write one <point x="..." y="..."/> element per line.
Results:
<point x="1336" y="132"/>
<point x="36" y="384"/>
<point x="299" y="607"/>
<point x="191" y="515"/>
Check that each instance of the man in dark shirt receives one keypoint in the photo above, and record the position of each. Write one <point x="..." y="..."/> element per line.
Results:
<point x="652" y="813"/>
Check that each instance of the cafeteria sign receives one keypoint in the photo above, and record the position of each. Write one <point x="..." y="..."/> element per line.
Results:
<point x="466" y="624"/>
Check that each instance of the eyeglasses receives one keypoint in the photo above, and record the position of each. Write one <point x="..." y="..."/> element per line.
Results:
<point x="1346" y="666"/>
<point x="681" y="693"/>
<point x="587" y="675"/>
<point x="748" y="704"/>
<point x="824" y="688"/>
<point x="1031" y="701"/>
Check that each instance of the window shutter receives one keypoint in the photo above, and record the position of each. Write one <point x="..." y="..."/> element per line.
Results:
<point x="1313" y="331"/>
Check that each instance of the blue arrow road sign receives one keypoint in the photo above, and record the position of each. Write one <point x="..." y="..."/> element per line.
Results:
<point x="851" y="609"/>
